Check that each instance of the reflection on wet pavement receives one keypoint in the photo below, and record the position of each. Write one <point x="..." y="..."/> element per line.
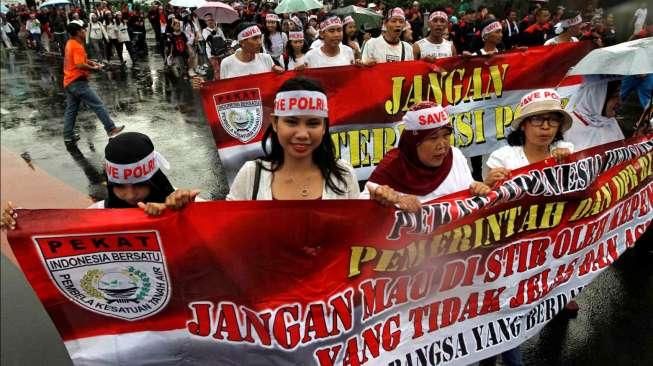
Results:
<point x="143" y="98"/>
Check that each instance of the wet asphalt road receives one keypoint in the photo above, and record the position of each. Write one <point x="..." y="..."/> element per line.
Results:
<point x="614" y="326"/>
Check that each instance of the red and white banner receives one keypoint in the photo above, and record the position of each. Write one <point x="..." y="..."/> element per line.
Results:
<point x="337" y="282"/>
<point x="366" y="103"/>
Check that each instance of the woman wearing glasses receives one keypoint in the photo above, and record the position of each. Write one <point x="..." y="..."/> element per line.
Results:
<point x="536" y="135"/>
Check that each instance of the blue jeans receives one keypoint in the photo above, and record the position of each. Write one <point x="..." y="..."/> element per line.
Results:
<point x="643" y="85"/>
<point x="79" y="91"/>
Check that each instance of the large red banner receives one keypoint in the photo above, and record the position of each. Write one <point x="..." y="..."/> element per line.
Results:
<point x="337" y="282"/>
<point x="366" y="103"/>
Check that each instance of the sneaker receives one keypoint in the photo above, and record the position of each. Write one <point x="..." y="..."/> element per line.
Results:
<point x="116" y="130"/>
<point x="72" y="139"/>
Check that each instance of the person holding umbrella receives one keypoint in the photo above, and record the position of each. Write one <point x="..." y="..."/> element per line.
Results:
<point x="248" y="59"/>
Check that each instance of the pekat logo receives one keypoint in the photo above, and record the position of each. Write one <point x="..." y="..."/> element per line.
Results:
<point x="240" y="113"/>
<point x="119" y="274"/>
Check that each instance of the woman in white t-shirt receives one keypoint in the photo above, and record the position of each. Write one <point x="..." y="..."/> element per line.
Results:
<point x="593" y="110"/>
<point x="536" y="135"/>
<point x="248" y="59"/>
<point x="296" y="49"/>
<point x="299" y="161"/>
<point x="425" y="166"/>
<point x="332" y="52"/>
<point x="274" y="40"/>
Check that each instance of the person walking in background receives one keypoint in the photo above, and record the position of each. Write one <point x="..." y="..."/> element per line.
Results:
<point x="76" y="69"/>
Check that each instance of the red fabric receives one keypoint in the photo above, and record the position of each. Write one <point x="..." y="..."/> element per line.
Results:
<point x="402" y="170"/>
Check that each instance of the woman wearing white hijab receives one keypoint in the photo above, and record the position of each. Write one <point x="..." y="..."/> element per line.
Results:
<point x="593" y="111"/>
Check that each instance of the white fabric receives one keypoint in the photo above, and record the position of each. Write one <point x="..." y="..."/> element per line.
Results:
<point x="278" y="41"/>
<point x="568" y="23"/>
<point x="426" y="119"/>
<point x="317" y="43"/>
<point x="589" y="101"/>
<point x="112" y="30"/>
<point x="333" y="22"/>
<point x="589" y="128"/>
<point x="123" y="33"/>
<point x="458" y="179"/>
<point x="557" y="40"/>
<point x="301" y="103"/>
<point x="315" y="57"/>
<point x="397" y="13"/>
<point x="640" y="18"/>
<point x="439" y="14"/>
<point x="296" y="36"/>
<point x="492" y="27"/>
<point x="249" y="32"/>
<point x="243" y="185"/>
<point x="232" y="67"/>
<point x="96" y="31"/>
<point x="435" y="50"/>
<point x="379" y="50"/>
<point x="513" y="157"/>
<point x="584" y="136"/>
<point x="294" y="63"/>
<point x="137" y="172"/>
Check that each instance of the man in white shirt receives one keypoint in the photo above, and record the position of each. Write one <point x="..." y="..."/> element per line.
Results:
<point x="332" y="52"/>
<point x="248" y="59"/>
<point x="388" y="47"/>
<point x="435" y="46"/>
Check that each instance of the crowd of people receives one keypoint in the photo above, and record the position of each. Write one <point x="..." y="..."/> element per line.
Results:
<point x="193" y="45"/>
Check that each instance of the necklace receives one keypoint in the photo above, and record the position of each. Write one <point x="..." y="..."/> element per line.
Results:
<point x="304" y="189"/>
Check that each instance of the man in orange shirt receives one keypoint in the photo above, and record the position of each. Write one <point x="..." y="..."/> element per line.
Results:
<point x="76" y="68"/>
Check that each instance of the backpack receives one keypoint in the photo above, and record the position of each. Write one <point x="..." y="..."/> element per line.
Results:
<point x="217" y="44"/>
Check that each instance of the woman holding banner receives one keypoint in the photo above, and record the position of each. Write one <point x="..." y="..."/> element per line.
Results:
<point x="425" y="166"/>
<point x="299" y="161"/>
<point x="134" y="178"/>
<point x="536" y="135"/>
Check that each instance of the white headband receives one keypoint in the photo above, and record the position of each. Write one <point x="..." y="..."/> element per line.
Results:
<point x="439" y="14"/>
<point x="137" y="172"/>
<point x="492" y="27"/>
<point x="348" y="19"/>
<point x="397" y="13"/>
<point x="272" y="18"/>
<point x="426" y="119"/>
<point x="301" y="103"/>
<point x="296" y="36"/>
<point x="249" y="32"/>
<point x="572" y="22"/>
<point x="330" y="23"/>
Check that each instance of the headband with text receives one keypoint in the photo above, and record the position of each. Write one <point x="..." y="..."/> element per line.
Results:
<point x="137" y="172"/>
<point x="301" y="103"/>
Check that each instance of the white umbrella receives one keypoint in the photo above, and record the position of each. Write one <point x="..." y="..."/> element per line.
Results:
<point x="54" y="3"/>
<point x="628" y="58"/>
<point x="296" y="6"/>
<point x="186" y="3"/>
<point x="222" y="13"/>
